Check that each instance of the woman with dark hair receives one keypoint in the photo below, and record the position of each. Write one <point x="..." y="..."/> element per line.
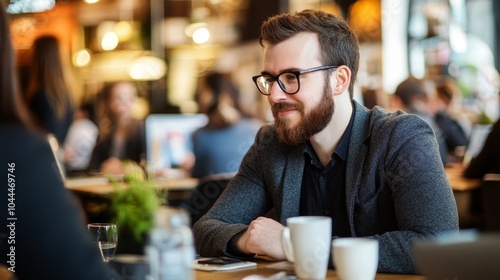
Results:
<point x="121" y="136"/>
<point x="220" y="146"/>
<point x="48" y="93"/>
<point x="47" y="236"/>
<point x="80" y="141"/>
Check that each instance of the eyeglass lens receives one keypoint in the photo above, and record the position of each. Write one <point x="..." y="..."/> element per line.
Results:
<point x="288" y="82"/>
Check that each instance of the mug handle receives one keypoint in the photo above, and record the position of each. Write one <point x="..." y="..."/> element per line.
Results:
<point x="287" y="244"/>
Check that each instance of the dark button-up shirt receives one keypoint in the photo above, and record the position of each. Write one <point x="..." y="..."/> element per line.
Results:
<point x="323" y="188"/>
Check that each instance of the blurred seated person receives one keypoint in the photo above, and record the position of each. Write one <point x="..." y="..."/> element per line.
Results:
<point x="48" y="93"/>
<point x="413" y="96"/>
<point x="121" y="136"/>
<point x="51" y="241"/>
<point x="80" y="140"/>
<point x="453" y="131"/>
<point x="220" y="146"/>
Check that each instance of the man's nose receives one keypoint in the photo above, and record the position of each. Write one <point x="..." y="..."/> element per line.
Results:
<point x="276" y="93"/>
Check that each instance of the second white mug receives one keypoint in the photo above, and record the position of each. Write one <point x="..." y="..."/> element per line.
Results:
<point x="306" y="243"/>
<point x="355" y="258"/>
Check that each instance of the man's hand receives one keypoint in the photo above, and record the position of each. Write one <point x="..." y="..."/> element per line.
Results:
<point x="263" y="237"/>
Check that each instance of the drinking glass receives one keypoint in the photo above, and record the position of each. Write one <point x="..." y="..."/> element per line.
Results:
<point x="105" y="236"/>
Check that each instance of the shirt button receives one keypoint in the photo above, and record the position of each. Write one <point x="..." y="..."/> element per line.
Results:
<point x="327" y="212"/>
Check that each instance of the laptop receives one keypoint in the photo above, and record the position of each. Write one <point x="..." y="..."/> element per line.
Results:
<point x="476" y="142"/>
<point x="466" y="255"/>
<point x="168" y="139"/>
<point x="58" y="154"/>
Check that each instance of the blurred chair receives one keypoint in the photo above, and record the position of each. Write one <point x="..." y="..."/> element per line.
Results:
<point x="491" y="201"/>
<point x="463" y="255"/>
<point x="206" y="193"/>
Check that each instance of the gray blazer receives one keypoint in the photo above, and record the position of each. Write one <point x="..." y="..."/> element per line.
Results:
<point x="396" y="187"/>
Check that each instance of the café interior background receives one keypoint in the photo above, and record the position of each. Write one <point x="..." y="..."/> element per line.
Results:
<point x="164" y="45"/>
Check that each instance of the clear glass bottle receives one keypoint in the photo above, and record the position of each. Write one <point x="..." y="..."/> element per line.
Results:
<point x="170" y="249"/>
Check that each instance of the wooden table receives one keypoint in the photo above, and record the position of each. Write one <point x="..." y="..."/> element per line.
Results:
<point x="460" y="183"/>
<point x="92" y="190"/>
<point x="102" y="186"/>
<point x="263" y="269"/>
<point x="464" y="190"/>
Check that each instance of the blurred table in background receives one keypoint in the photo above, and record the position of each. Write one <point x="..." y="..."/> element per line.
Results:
<point x="100" y="185"/>
<point x="467" y="196"/>
<point x="93" y="193"/>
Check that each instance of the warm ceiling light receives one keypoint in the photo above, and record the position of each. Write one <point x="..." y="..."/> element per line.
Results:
<point x="126" y="66"/>
<point x="198" y="32"/>
<point x="201" y="35"/>
<point x="91" y="1"/>
<point x="109" y="41"/>
<point x="191" y="28"/>
<point x="147" y="68"/>
<point x="81" y="58"/>
<point x="124" y="30"/>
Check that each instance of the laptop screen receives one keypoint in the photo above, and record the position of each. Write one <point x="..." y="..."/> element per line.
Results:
<point x="57" y="152"/>
<point x="168" y="138"/>
<point x="476" y="141"/>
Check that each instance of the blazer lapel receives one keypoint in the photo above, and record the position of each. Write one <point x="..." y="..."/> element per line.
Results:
<point x="292" y="183"/>
<point x="355" y="159"/>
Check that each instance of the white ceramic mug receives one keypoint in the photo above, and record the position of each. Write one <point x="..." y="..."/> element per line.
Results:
<point x="306" y="243"/>
<point x="355" y="258"/>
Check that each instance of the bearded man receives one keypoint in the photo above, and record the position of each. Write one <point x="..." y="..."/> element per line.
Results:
<point x="376" y="174"/>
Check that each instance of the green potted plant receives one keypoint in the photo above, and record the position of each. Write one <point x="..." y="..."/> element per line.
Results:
<point x="133" y="207"/>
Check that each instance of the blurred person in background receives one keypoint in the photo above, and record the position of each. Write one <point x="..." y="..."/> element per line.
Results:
<point x="47" y="239"/>
<point x="48" y="94"/>
<point x="121" y="136"/>
<point x="80" y="141"/>
<point x="220" y="146"/>
<point x="446" y="107"/>
<point x="413" y="96"/>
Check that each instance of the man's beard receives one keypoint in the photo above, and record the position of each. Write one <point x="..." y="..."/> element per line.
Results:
<point x="311" y="123"/>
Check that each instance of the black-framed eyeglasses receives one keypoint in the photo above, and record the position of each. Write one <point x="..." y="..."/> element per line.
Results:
<point x="288" y="81"/>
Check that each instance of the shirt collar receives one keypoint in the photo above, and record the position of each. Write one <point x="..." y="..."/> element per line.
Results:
<point x="343" y="146"/>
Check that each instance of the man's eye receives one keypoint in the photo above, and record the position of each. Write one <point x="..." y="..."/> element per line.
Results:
<point x="268" y="79"/>
<point x="289" y="77"/>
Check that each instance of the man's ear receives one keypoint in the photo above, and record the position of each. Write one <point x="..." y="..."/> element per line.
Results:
<point x="343" y="79"/>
